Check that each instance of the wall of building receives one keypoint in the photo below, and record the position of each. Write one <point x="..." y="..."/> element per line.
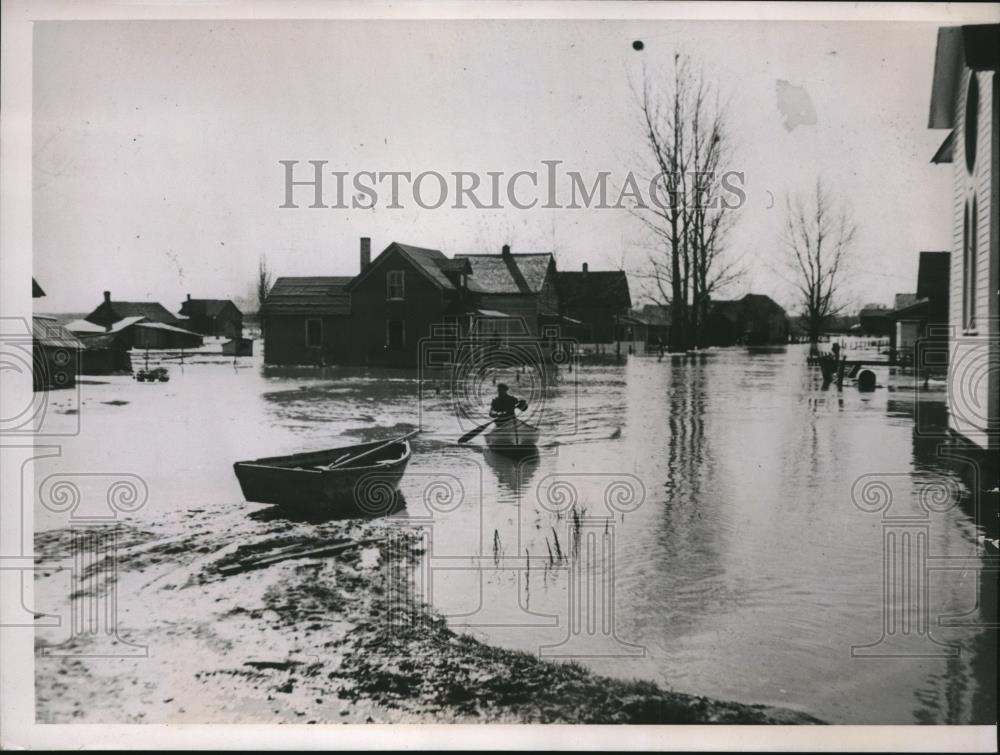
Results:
<point x="525" y="306"/>
<point x="974" y="402"/>
<point x="598" y="322"/>
<point x="285" y="340"/>
<point x="421" y="308"/>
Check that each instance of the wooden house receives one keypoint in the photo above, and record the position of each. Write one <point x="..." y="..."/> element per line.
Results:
<point x="305" y="321"/>
<point x="398" y="298"/>
<point x="519" y="288"/>
<point x="965" y="102"/>
<point x="650" y="326"/>
<point x="756" y="319"/>
<point x="136" y="332"/>
<point x="599" y="300"/>
<point x="109" y="312"/>
<point x="874" y="321"/>
<point x="212" y="317"/>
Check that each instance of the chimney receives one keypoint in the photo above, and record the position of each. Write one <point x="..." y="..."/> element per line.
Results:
<point x="366" y="252"/>
<point x="189" y="297"/>
<point x="584" y="268"/>
<point x="107" y="297"/>
<point x="505" y="251"/>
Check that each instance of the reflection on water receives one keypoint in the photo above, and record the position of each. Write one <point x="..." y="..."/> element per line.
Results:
<point x="513" y="471"/>
<point x="689" y="520"/>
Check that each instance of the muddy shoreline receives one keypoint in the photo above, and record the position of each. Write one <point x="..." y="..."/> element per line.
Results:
<point x="235" y="632"/>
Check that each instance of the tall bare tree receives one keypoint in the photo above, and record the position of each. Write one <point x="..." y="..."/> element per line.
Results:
<point x="688" y="145"/>
<point x="818" y="237"/>
<point x="263" y="281"/>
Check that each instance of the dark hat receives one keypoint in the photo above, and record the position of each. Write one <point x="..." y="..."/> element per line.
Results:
<point x="502" y="387"/>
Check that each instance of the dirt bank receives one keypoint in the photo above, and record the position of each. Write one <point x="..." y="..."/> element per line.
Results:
<point x="235" y="631"/>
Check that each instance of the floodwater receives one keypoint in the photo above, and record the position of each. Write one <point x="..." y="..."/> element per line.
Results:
<point x="690" y="521"/>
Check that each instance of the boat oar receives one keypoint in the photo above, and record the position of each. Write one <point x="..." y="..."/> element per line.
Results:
<point x="522" y="405"/>
<point x="475" y="431"/>
<point x="341" y="462"/>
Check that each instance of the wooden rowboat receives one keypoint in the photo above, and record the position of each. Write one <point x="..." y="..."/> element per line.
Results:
<point x="513" y="436"/>
<point x="363" y="482"/>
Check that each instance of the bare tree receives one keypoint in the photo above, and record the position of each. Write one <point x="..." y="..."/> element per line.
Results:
<point x="263" y="282"/>
<point x="688" y="145"/>
<point x="819" y="233"/>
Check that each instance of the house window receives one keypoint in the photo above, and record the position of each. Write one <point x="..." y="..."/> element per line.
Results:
<point x="314" y="333"/>
<point x="971" y="226"/>
<point x="395" y="334"/>
<point x="971" y="122"/>
<point x="394" y="284"/>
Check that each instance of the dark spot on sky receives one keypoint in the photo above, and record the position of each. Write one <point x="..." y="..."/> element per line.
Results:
<point x="637" y="45"/>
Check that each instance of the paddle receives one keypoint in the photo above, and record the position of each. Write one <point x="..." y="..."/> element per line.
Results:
<point x="341" y="462"/>
<point x="476" y="430"/>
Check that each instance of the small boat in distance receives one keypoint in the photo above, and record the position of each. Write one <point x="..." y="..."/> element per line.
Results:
<point x="350" y="481"/>
<point x="513" y="436"/>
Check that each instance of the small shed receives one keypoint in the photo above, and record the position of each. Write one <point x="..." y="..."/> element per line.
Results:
<point x="157" y="335"/>
<point x="56" y="354"/>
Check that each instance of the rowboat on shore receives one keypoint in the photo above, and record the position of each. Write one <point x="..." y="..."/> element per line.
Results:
<point x="349" y="481"/>
<point x="513" y="436"/>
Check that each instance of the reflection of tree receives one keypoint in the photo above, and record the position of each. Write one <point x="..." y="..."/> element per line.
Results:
<point x="686" y="449"/>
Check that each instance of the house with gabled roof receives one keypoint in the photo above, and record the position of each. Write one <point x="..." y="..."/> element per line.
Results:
<point x="399" y="297"/>
<point x="599" y="300"/>
<point x="109" y="312"/>
<point x="519" y="287"/>
<point x="212" y="317"/>
<point x="304" y="320"/>
<point x="754" y="320"/>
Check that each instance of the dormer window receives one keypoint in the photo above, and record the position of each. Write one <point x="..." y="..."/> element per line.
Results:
<point x="394" y="285"/>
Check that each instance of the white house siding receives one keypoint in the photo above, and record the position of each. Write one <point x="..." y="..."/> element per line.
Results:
<point x="974" y="368"/>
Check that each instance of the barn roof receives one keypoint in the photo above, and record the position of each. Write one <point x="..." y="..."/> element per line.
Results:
<point x="85" y="327"/>
<point x="207" y="307"/>
<point x="601" y="288"/>
<point x="875" y="310"/>
<point x="47" y="332"/>
<point x="151" y="310"/>
<point x="312" y="295"/>
<point x="165" y="327"/>
<point x="750" y="304"/>
<point x="509" y="273"/>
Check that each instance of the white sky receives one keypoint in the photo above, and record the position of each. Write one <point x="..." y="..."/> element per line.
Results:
<point x="156" y="144"/>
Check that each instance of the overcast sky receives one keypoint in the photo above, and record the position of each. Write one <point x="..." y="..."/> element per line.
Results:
<point x="156" y="144"/>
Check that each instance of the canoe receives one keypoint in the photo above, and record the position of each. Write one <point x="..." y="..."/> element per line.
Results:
<point x="514" y="435"/>
<point x="302" y="482"/>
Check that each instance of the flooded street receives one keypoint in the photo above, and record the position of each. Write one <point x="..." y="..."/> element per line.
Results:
<point x="695" y="515"/>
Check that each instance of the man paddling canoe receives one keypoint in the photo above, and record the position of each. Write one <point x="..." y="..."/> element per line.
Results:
<point x="503" y="406"/>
